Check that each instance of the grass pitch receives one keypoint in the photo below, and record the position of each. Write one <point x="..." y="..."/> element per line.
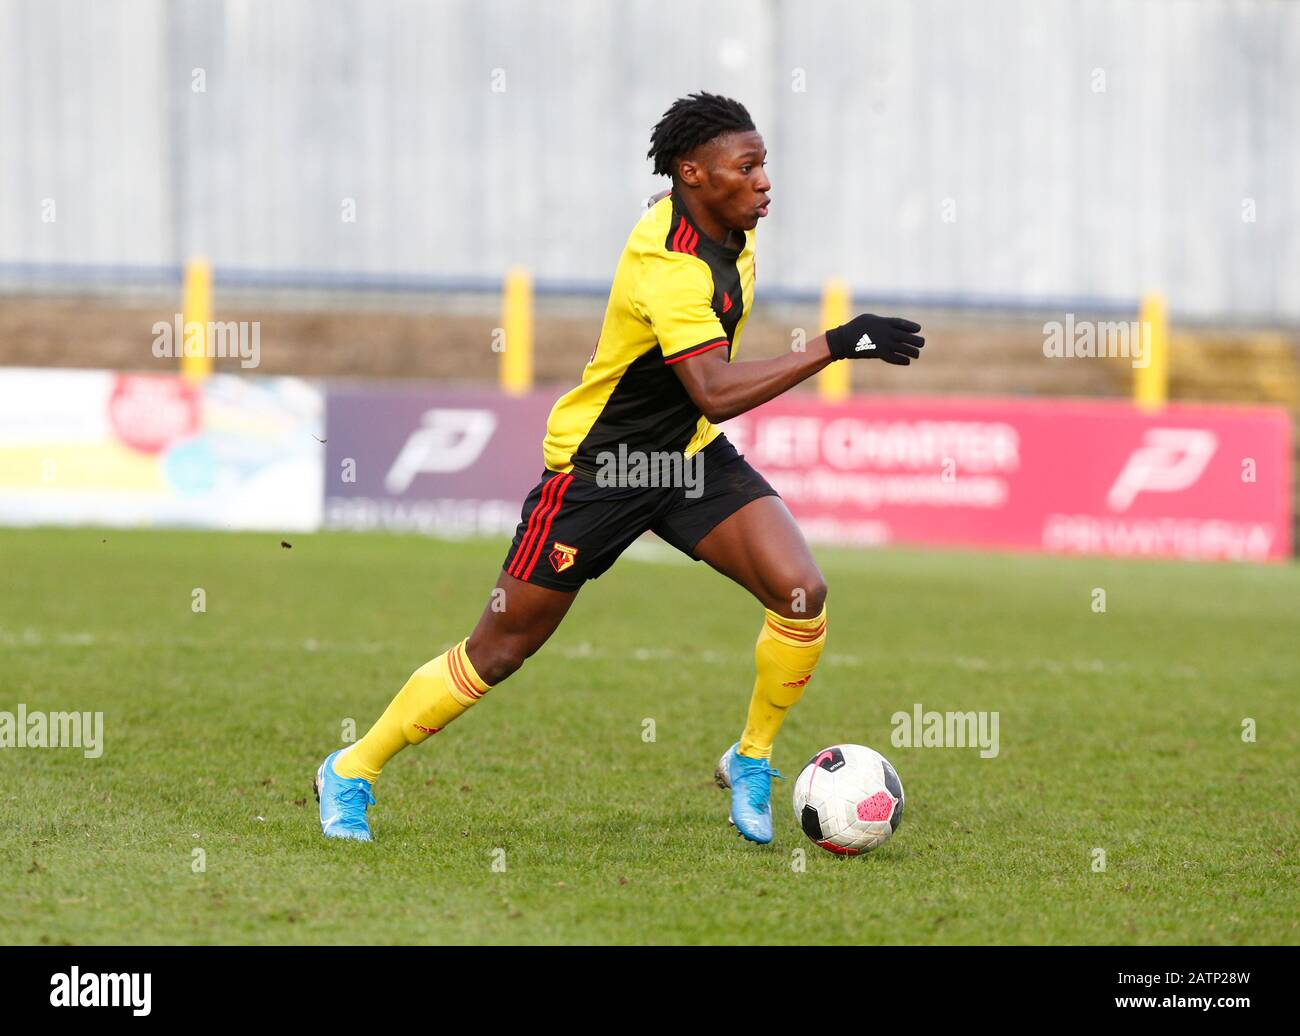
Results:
<point x="1120" y="731"/>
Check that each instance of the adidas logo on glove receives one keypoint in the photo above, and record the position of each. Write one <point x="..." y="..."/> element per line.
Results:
<point x="870" y="337"/>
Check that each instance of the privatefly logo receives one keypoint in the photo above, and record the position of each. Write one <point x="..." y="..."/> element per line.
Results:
<point x="95" y="989"/>
<point x="438" y="462"/>
<point x="447" y="441"/>
<point x="1169" y="460"/>
<point x="1165" y="501"/>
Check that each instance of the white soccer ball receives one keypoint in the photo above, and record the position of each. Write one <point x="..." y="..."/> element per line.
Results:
<point x="848" y="799"/>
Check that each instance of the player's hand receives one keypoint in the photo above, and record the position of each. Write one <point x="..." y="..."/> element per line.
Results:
<point x="870" y="337"/>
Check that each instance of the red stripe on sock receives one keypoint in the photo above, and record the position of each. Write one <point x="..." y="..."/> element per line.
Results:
<point x="798" y="634"/>
<point x="793" y="628"/>
<point x="459" y="675"/>
<point x="454" y="671"/>
<point x="797" y="631"/>
<point x="796" y="624"/>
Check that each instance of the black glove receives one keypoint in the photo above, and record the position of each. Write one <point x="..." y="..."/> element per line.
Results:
<point x="869" y="337"/>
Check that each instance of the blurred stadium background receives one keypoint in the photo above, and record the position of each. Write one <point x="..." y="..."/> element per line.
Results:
<point x="360" y="180"/>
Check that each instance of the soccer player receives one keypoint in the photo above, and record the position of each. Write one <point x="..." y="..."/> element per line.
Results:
<point x="663" y="374"/>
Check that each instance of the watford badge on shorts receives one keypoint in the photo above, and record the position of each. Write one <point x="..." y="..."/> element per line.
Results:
<point x="563" y="556"/>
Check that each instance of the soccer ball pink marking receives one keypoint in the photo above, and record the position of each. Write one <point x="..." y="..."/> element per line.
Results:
<point x="878" y="807"/>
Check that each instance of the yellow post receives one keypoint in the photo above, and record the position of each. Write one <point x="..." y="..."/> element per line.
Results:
<point x="517" y="322"/>
<point x="1151" y="383"/>
<point x="833" y="382"/>
<point x="196" y="309"/>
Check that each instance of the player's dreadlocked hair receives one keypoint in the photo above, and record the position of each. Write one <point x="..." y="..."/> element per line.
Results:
<point x="691" y="121"/>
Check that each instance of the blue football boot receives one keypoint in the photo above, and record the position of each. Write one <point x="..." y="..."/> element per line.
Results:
<point x="750" y="781"/>
<point x="343" y="802"/>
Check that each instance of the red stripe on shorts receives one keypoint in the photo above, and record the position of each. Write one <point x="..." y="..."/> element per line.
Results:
<point x="534" y="523"/>
<point x="556" y="501"/>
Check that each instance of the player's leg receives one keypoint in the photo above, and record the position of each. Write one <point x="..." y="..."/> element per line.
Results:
<point x="518" y="619"/>
<point x="525" y="607"/>
<point x="762" y="548"/>
<point x="742" y="529"/>
<point x="516" y="622"/>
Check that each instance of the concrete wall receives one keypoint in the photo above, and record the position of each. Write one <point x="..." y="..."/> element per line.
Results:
<point x="1020" y="149"/>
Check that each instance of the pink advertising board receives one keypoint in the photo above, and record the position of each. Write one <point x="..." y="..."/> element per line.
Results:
<point x="1069" y="476"/>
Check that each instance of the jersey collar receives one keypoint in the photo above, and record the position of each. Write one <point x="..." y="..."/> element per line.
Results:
<point x="705" y="240"/>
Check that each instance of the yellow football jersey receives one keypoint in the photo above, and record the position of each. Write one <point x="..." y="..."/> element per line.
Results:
<point x="676" y="294"/>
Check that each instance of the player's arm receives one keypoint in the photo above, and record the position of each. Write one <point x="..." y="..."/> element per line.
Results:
<point x="676" y="298"/>
<point x="723" y="390"/>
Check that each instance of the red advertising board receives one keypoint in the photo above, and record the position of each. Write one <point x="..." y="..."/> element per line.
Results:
<point x="1073" y="476"/>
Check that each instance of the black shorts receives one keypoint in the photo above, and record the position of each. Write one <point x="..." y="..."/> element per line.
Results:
<point x="573" y="528"/>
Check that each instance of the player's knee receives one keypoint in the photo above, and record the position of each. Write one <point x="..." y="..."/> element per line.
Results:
<point x="498" y="658"/>
<point x="806" y="596"/>
<point x="817" y="590"/>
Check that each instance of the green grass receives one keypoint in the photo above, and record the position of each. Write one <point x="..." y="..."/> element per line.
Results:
<point x="1119" y="731"/>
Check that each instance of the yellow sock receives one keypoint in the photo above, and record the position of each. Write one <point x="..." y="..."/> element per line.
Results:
<point x="436" y="694"/>
<point x="785" y="656"/>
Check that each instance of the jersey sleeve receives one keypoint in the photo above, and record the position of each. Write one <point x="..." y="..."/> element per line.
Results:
<point x="676" y="297"/>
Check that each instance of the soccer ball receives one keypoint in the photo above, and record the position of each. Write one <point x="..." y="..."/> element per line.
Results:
<point x="848" y="799"/>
